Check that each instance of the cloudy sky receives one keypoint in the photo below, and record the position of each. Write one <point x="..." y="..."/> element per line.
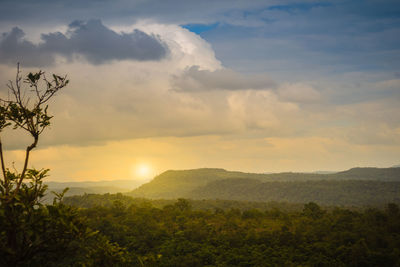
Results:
<point x="257" y="86"/>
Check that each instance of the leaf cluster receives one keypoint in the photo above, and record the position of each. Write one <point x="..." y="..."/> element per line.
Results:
<point x="27" y="108"/>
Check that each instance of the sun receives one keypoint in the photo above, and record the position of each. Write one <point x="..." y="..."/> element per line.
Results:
<point x="142" y="171"/>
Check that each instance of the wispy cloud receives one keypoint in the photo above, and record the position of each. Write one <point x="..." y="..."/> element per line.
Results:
<point x="195" y="79"/>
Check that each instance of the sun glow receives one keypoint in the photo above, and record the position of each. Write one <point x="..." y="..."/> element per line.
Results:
<point x="142" y="171"/>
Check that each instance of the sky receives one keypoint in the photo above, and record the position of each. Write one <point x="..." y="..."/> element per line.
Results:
<point x="255" y="86"/>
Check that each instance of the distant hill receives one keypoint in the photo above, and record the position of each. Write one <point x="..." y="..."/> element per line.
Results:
<point x="357" y="186"/>
<point x="126" y="184"/>
<point x="173" y="184"/>
<point x="91" y="187"/>
<point x="378" y="174"/>
<point x="333" y="192"/>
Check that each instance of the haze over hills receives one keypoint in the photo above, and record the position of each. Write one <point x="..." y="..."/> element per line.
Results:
<point x="93" y="187"/>
<point x="172" y="184"/>
<point x="357" y="186"/>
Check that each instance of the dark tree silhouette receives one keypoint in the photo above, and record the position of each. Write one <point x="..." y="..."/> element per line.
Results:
<point x="26" y="109"/>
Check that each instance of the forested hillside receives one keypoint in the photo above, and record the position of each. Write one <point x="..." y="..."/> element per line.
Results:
<point x="378" y="174"/>
<point x="343" y="193"/>
<point x="174" y="184"/>
<point x="357" y="186"/>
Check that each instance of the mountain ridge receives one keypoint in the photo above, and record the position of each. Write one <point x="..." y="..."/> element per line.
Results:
<point x="331" y="188"/>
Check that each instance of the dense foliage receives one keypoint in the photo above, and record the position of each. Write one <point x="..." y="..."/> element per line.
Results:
<point x="33" y="234"/>
<point x="117" y="230"/>
<point x="177" y="235"/>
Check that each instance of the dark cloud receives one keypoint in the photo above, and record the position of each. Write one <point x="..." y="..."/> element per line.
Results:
<point x="172" y="11"/>
<point x="91" y="39"/>
<point x="195" y="79"/>
<point x="13" y="49"/>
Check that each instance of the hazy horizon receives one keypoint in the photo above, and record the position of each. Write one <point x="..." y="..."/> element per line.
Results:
<point x="141" y="181"/>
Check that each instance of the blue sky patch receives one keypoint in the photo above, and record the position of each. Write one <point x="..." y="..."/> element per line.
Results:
<point x="200" y="28"/>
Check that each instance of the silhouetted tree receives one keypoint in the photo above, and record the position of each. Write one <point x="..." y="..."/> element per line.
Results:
<point x="26" y="109"/>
